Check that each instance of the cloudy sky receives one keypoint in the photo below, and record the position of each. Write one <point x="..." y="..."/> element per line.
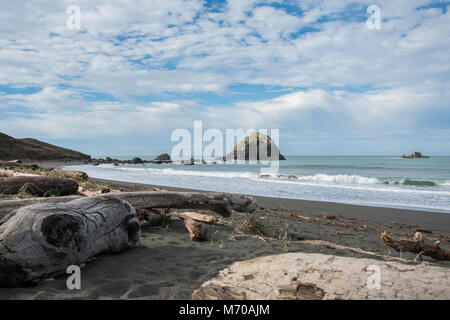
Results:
<point x="137" y="70"/>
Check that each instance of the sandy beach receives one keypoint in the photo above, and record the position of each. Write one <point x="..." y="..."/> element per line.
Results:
<point x="166" y="264"/>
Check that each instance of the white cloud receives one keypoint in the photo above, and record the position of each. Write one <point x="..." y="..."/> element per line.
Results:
<point x="126" y="49"/>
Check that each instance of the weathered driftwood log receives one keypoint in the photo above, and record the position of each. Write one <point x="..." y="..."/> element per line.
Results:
<point x="42" y="240"/>
<point x="197" y="231"/>
<point x="12" y="173"/>
<point x="417" y="245"/>
<point x="221" y="203"/>
<point x="197" y="217"/>
<point x="302" y="276"/>
<point x="38" y="185"/>
<point x="72" y="174"/>
<point x="8" y="206"/>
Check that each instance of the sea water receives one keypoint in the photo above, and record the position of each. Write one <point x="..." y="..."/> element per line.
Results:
<point x="422" y="184"/>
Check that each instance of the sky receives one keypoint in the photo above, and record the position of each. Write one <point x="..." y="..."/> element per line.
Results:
<point x="135" y="71"/>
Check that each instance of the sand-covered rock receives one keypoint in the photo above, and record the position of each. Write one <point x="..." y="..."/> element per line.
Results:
<point x="317" y="276"/>
<point x="249" y="149"/>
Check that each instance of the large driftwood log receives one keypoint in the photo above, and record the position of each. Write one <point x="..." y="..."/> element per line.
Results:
<point x="221" y="203"/>
<point x="303" y="276"/>
<point x="42" y="240"/>
<point x="38" y="185"/>
<point x="8" y="206"/>
<point x="197" y="231"/>
<point x="416" y="245"/>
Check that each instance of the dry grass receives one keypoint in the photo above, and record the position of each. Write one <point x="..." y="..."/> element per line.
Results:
<point x="254" y="225"/>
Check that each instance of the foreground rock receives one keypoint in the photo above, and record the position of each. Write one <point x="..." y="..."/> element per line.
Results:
<point x="305" y="276"/>
<point x="250" y="147"/>
<point x="38" y="185"/>
<point x="42" y="240"/>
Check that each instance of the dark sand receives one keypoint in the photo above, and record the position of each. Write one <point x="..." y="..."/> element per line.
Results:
<point x="168" y="265"/>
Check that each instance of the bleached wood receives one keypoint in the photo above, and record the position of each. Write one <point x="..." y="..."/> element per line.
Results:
<point x="221" y="203"/>
<point x="42" y="240"/>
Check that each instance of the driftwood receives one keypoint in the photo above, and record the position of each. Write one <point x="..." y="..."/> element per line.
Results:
<point x="12" y="173"/>
<point x="305" y="276"/>
<point x="197" y="231"/>
<point x="72" y="174"/>
<point x="149" y="218"/>
<point x="197" y="217"/>
<point x="42" y="240"/>
<point x="417" y="245"/>
<point x="221" y="203"/>
<point x="38" y="185"/>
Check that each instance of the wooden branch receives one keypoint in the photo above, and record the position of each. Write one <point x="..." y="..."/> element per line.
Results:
<point x="42" y="240"/>
<point x="197" y="231"/>
<point x="221" y="203"/>
<point x="197" y="217"/>
<point x="38" y="185"/>
<point x="416" y="245"/>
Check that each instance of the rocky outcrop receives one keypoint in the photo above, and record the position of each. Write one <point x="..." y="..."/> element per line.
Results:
<point x="414" y="155"/>
<point x="249" y="147"/>
<point x="136" y="160"/>
<point x="306" y="276"/>
<point x="162" y="158"/>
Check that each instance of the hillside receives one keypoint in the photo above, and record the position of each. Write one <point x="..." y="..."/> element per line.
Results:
<point x="32" y="149"/>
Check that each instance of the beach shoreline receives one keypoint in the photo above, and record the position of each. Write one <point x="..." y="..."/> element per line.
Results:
<point x="424" y="219"/>
<point x="379" y="214"/>
<point x="166" y="264"/>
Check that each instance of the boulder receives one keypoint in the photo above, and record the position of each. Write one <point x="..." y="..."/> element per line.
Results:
<point x="306" y="276"/>
<point x="162" y="157"/>
<point x="136" y="160"/>
<point x="249" y="149"/>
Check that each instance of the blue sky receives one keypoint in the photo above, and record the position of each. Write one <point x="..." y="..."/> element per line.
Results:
<point x="137" y="70"/>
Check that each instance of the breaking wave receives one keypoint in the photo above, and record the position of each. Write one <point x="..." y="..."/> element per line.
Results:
<point x="316" y="178"/>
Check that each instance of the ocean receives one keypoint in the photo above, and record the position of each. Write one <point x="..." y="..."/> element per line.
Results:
<point x="421" y="184"/>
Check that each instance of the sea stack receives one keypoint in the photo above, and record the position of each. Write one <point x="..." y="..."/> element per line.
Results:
<point x="255" y="141"/>
<point x="414" y="155"/>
